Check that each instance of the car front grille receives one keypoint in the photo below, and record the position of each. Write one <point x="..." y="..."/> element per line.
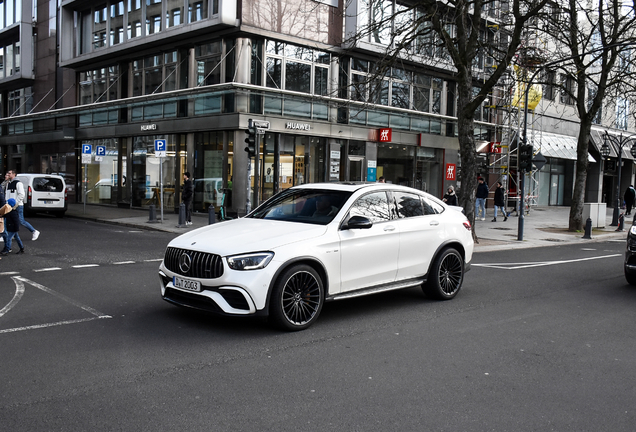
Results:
<point x="201" y="265"/>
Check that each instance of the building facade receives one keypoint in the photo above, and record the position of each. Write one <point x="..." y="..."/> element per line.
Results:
<point x="111" y="78"/>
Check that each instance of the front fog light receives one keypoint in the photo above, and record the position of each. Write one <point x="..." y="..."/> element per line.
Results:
<point x="250" y="261"/>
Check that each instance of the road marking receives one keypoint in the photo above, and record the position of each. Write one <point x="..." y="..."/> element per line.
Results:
<point x="39" y="326"/>
<point x="48" y="269"/>
<point x="63" y="297"/>
<point x="85" y="265"/>
<point x="124" y="262"/>
<point x="8" y="273"/>
<point x="154" y="260"/>
<point x="517" y="266"/>
<point x="19" y="291"/>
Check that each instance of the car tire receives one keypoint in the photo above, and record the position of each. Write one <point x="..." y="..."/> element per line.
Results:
<point x="630" y="277"/>
<point x="297" y="298"/>
<point x="446" y="275"/>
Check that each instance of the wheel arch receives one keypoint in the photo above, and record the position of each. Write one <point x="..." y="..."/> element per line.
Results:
<point x="310" y="261"/>
<point x="447" y="244"/>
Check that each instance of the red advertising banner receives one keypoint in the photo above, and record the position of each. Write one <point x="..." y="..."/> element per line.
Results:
<point x="450" y="172"/>
<point x="385" y="135"/>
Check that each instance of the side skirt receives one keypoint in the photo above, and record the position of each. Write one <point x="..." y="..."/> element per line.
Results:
<point x="378" y="289"/>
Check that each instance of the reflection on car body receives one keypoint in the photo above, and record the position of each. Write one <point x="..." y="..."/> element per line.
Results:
<point x="315" y="243"/>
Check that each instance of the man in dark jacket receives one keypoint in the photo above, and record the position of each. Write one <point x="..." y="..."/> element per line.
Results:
<point x="480" y="201"/>
<point x="500" y="202"/>
<point x="630" y="194"/>
<point x="186" y="197"/>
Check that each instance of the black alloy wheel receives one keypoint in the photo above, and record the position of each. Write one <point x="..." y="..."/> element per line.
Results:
<point x="446" y="275"/>
<point x="297" y="298"/>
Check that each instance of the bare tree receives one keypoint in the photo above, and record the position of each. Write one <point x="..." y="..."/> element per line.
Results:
<point x="454" y="35"/>
<point x="589" y="43"/>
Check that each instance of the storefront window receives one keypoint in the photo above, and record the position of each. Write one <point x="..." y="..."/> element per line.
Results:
<point x="428" y="174"/>
<point x="208" y="171"/>
<point x="102" y="176"/>
<point x="146" y="169"/>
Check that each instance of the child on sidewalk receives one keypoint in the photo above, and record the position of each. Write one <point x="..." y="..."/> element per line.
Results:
<point x="12" y="221"/>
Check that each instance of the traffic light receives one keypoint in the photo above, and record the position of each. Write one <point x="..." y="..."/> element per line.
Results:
<point x="251" y="140"/>
<point x="525" y="158"/>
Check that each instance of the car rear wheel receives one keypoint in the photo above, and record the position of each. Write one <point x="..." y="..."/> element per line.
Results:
<point x="446" y="275"/>
<point x="297" y="298"/>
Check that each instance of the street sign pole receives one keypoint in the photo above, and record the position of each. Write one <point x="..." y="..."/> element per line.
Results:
<point x="161" y="186"/>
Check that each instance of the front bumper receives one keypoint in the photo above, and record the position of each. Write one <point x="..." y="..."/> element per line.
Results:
<point x="234" y="293"/>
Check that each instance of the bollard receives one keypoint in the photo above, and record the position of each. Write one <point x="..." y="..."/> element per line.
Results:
<point x="621" y="222"/>
<point x="182" y="220"/>
<point x="588" y="229"/>
<point x="211" y="215"/>
<point x="152" y="217"/>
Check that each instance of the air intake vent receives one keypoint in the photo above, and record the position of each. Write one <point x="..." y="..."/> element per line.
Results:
<point x="193" y="264"/>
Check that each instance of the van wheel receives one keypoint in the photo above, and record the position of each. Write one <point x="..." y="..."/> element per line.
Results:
<point x="297" y="298"/>
<point x="446" y="275"/>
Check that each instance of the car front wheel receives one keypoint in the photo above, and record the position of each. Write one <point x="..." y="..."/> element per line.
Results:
<point x="446" y="275"/>
<point x="297" y="298"/>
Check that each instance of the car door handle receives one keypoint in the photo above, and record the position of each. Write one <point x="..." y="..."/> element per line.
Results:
<point x="434" y="223"/>
<point x="389" y="228"/>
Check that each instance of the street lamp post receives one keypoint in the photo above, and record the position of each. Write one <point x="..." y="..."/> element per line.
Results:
<point x="619" y="142"/>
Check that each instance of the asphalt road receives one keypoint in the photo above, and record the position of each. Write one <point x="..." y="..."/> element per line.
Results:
<point x="537" y="340"/>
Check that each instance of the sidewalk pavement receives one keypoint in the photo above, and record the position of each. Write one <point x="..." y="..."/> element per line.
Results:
<point x="542" y="226"/>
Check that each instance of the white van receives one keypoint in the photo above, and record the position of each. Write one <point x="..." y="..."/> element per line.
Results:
<point x="44" y="193"/>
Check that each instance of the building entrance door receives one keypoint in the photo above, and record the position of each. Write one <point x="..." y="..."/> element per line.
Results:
<point x="356" y="163"/>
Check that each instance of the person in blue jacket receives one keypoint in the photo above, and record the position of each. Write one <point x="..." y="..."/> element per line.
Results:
<point x="12" y="222"/>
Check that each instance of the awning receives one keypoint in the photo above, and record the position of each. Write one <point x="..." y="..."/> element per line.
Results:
<point x="597" y="138"/>
<point x="555" y="145"/>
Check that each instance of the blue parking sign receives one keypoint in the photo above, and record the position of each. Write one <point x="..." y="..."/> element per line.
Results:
<point x="160" y="147"/>
<point x="100" y="150"/>
<point x="87" y="148"/>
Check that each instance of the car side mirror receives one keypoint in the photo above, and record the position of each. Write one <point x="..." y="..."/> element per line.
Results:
<point x="357" y="222"/>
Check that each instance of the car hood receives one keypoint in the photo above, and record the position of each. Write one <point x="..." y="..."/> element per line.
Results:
<point x="246" y="235"/>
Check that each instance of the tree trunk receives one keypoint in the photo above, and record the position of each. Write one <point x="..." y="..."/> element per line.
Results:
<point x="466" y="137"/>
<point x="576" y="222"/>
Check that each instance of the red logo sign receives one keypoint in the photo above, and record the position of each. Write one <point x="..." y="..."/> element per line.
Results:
<point x="495" y="147"/>
<point x="385" y="135"/>
<point x="450" y="171"/>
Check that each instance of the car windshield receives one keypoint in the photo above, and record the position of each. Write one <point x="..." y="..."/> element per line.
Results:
<point x="313" y="206"/>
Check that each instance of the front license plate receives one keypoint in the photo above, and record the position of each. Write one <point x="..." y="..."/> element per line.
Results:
<point x="186" y="284"/>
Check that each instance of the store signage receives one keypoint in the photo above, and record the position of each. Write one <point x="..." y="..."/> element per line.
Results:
<point x="335" y="154"/>
<point x="148" y="127"/>
<point x="450" y="171"/>
<point x="385" y="135"/>
<point x="298" y="126"/>
<point x="495" y="147"/>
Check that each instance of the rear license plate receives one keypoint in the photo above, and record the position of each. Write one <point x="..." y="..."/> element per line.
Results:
<point x="49" y="202"/>
<point x="186" y="284"/>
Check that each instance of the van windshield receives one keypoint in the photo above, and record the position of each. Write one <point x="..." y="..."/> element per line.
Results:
<point x="47" y="184"/>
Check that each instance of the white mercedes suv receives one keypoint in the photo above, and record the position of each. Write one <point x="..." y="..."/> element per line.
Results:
<point x="316" y="243"/>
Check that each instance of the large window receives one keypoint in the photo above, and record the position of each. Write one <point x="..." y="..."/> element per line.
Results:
<point x="155" y="74"/>
<point x="296" y="68"/>
<point x="99" y="85"/>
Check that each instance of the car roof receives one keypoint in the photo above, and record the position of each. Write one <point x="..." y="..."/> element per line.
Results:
<point x="355" y="186"/>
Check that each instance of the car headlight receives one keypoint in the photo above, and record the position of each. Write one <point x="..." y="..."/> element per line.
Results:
<point x="632" y="230"/>
<point x="251" y="261"/>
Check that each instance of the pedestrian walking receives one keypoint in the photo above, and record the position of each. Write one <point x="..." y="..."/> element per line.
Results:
<point x="629" y="196"/>
<point x="4" y="208"/>
<point x="12" y="222"/>
<point x="500" y="202"/>
<point x="186" y="197"/>
<point x="450" y="197"/>
<point x="15" y="190"/>
<point x="480" y="202"/>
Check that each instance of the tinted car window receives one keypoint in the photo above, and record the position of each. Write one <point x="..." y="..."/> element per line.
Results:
<point x="409" y="205"/>
<point x="431" y="207"/>
<point x="44" y="184"/>
<point x="303" y="205"/>
<point x="374" y="206"/>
